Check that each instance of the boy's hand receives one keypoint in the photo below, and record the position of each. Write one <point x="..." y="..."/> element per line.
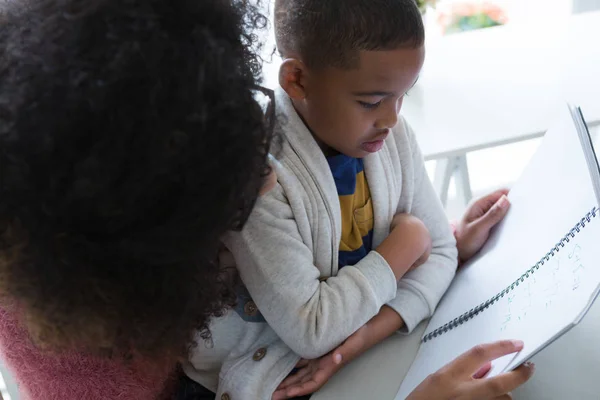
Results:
<point x="479" y="219"/>
<point x="313" y="374"/>
<point x="413" y="226"/>
<point x="310" y="377"/>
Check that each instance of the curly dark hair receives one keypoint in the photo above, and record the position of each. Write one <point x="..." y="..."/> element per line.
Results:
<point x="130" y="142"/>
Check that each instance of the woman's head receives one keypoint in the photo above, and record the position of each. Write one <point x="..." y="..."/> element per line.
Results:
<point x="129" y="143"/>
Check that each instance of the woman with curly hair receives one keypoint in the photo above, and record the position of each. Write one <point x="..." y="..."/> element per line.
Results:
<point x="130" y="141"/>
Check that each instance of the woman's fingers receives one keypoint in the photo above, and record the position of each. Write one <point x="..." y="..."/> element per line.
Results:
<point x="483" y="371"/>
<point x="472" y="361"/>
<point x="501" y="385"/>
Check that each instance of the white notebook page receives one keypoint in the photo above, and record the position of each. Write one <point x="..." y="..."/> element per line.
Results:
<point x="552" y="195"/>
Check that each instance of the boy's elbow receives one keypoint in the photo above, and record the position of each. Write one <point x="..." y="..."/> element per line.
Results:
<point x="311" y="346"/>
<point x="446" y="254"/>
<point x="318" y="328"/>
<point x="309" y="352"/>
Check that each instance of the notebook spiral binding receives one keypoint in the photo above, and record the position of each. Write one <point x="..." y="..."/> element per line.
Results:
<point x="483" y="306"/>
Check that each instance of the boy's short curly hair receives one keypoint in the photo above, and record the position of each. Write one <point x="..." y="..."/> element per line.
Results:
<point x="331" y="33"/>
<point x="130" y="142"/>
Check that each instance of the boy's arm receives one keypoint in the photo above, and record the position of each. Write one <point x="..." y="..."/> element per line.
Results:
<point x="277" y="267"/>
<point x="380" y="327"/>
<point x="479" y="219"/>
<point x="420" y="290"/>
<point x="313" y="374"/>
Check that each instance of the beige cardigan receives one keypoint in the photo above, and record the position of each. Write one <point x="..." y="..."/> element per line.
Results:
<point x="290" y="246"/>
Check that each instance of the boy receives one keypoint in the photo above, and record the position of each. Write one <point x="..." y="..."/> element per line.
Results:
<point x="330" y="247"/>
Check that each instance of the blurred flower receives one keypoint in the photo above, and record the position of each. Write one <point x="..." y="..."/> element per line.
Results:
<point x="424" y="3"/>
<point x="459" y="17"/>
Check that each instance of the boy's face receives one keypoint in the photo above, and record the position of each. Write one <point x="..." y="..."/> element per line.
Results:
<point x="352" y="111"/>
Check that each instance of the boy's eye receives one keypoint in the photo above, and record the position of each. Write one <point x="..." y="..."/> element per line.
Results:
<point x="369" y="106"/>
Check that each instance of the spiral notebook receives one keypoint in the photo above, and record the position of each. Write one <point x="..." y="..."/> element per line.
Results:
<point x="539" y="272"/>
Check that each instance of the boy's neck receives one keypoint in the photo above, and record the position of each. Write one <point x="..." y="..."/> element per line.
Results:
<point x="327" y="150"/>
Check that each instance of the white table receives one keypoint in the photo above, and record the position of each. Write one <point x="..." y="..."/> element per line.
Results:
<point x="490" y="88"/>
<point x="567" y="369"/>
<point x="497" y="86"/>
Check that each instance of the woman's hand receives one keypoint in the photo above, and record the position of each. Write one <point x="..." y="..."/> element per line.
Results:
<point x="482" y="215"/>
<point x="463" y="378"/>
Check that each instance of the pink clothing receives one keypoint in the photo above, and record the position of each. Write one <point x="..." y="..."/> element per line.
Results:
<point x="43" y="376"/>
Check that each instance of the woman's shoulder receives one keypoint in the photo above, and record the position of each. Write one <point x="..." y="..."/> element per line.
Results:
<point x="42" y="374"/>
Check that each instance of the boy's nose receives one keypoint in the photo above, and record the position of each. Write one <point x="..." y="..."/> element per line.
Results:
<point x="389" y="116"/>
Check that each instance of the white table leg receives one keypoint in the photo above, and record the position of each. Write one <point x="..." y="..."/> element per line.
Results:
<point x="445" y="169"/>
<point x="461" y="177"/>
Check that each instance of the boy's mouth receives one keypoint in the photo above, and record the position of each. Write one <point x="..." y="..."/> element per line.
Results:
<point x="374" y="145"/>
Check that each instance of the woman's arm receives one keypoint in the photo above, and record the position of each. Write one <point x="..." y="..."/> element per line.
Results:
<point x="74" y="376"/>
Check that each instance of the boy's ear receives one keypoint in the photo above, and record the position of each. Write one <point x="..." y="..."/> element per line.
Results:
<point x="293" y="76"/>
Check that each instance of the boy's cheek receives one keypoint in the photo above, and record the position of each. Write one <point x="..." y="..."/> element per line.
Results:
<point x="269" y="183"/>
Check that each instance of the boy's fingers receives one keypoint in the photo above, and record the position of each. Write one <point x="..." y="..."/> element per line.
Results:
<point x="279" y="395"/>
<point x="493" y="197"/>
<point x="482" y="205"/>
<point x="503" y="384"/>
<point x="310" y="384"/>
<point x="498" y="193"/>
<point x="472" y="360"/>
<point x="303" y="389"/>
<point x="493" y="215"/>
<point x="302" y="363"/>
<point x="298" y="377"/>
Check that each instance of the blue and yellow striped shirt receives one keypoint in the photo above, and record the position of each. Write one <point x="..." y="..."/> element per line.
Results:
<point x="356" y="207"/>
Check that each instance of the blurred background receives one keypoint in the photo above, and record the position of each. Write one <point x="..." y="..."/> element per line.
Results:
<point x="500" y="165"/>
